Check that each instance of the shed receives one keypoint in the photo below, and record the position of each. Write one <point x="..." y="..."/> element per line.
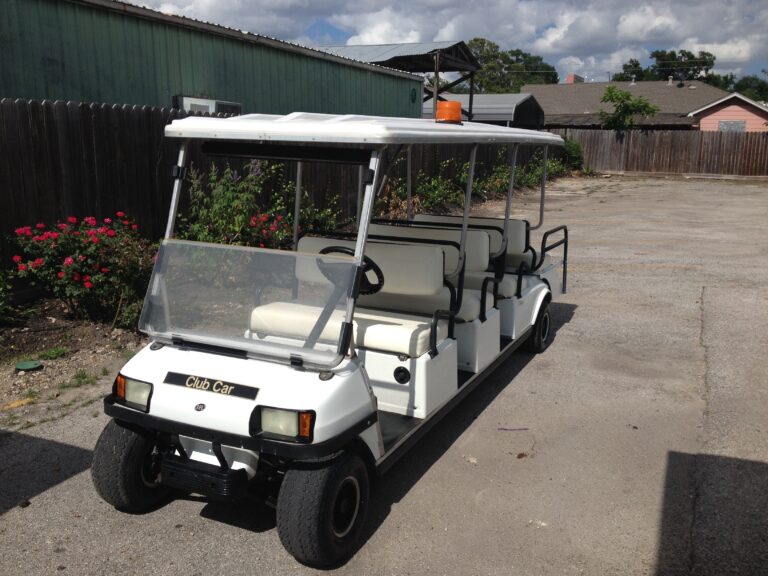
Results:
<point x="518" y="110"/>
<point x="109" y="51"/>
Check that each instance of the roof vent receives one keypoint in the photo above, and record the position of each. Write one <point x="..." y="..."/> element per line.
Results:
<point x="669" y="80"/>
<point x="633" y="80"/>
<point x="691" y="87"/>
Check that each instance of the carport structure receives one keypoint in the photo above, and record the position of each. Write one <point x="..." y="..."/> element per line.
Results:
<point x="421" y="58"/>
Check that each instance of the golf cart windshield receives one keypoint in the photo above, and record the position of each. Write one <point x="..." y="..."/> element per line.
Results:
<point x="286" y="306"/>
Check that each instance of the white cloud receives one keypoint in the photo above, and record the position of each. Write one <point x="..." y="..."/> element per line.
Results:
<point x="591" y="36"/>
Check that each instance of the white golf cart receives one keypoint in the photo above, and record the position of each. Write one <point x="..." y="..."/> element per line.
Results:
<point x="300" y="373"/>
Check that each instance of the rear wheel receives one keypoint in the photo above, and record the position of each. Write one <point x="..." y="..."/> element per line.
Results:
<point x="321" y="511"/>
<point x="125" y="470"/>
<point x="541" y="334"/>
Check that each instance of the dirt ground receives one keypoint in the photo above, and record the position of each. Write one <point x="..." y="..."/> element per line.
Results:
<point x="76" y="357"/>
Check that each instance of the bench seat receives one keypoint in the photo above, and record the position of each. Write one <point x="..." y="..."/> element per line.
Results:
<point x="373" y="329"/>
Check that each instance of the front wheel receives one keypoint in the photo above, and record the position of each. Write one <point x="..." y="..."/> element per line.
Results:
<point x="321" y="510"/>
<point x="541" y="334"/>
<point x="124" y="469"/>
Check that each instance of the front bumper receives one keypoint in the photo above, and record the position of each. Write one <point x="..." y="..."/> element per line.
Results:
<point x="287" y="450"/>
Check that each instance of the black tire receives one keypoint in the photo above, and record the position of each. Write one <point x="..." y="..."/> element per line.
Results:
<point x="124" y="469"/>
<point x="541" y="334"/>
<point x="321" y="511"/>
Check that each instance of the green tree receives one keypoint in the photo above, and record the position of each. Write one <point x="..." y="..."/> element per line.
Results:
<point x="506" y="71"/>
<point x="625" y="108"/>
<point x="682" y="65"/>
<point x="753" y="87"/>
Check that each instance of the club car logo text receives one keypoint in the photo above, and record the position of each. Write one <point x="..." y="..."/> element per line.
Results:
<point x="210" y="385"/>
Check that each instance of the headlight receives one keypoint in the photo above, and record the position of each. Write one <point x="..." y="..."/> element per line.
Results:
<point x="294" y="425"/>
<point x="133" y="393"/>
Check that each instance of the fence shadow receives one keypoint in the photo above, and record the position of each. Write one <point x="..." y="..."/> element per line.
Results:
<point x="29" y="466"/>
<point x="714" y="517"/>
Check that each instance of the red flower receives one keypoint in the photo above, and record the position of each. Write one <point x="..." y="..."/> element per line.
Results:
<point x="95" y="239"/>
<point x="76" y="277"/>
<point x="272" y="228"/>
<point x="17" y="259"/>
<point x="90" y="220"/>
<point x="53" y="235"/>
<point x="81" y="257"/>
<point x="60" y="275"/>
<point x="253" y="220"/>
<point x="86" y="278"/>
<point x="62" y="226"/>
<point x="134" y="226"/>
<point x="88" y="285"/>
<point x="111" y="233"/>
<point x="120" y="214"/>
<point x="76" y="232"/>
<point x="105" y="270"/>
<point x="126" y="222"/>
<point x="36" y="263"/>
<point x="279" y="217"/>
<point x="39" y="225"/>
<point x="72" y="220"/>
<point x="261" y="245"/>
<point x="107" y="220"/>
<point x="68" y="261"/>
<point x="22" y="267"/>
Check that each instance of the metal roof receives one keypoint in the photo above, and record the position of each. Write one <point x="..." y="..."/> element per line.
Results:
<point x="309" y="128"/>
<point x="241" y="35"/>
<point x="413" y="57"/>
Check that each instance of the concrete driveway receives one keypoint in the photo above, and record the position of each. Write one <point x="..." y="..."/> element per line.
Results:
<point x="637" y="444"/>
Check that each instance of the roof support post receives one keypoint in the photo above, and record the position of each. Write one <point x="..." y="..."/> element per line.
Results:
<point x="360" y="189"/>
<point x="177" y="184"/>
<point x="543" y="187"/>
<point x="467" y="205"/>
<point x="409" y="186"/>
<point x="297" y="205"/>
<point x="508" y="207"/>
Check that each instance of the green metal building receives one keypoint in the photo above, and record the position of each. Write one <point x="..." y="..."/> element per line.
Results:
<point x="107" y="51"/>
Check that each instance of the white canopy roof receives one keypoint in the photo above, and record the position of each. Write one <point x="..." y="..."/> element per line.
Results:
<point x="304" y="127"/>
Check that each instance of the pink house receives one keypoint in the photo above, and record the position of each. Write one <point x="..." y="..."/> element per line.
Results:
<point x="733" y="113"/>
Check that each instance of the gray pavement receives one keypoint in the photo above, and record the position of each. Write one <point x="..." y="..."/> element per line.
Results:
<point x="645" y="449"/>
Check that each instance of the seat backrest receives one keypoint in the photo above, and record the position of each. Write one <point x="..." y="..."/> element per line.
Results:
<point x="476" y="253"/>
<point x="517" y="240"/>
<point x="416" y="270"/>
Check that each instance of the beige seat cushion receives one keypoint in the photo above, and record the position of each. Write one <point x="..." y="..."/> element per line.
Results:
<point x="373" y="329"/>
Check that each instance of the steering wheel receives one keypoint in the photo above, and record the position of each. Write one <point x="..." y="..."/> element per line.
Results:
<point x="366" y="287"/>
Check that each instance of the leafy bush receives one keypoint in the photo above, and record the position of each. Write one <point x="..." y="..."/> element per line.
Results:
<point x="100" y="269"/>
<point x="225" y="208"/>
<point x="6" y="293"/>
<point x="572" y="154"/>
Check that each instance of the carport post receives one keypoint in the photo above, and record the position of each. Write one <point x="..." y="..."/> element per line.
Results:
<point x="360" y="188"/>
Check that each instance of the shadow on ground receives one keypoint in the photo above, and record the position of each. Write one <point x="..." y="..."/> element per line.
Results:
<point x="29" y="466"/>
<point x="714" y="517"/>
<point x="409" y="470"/>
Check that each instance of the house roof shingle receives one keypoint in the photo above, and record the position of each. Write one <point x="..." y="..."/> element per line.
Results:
<point x="561" y="101"/>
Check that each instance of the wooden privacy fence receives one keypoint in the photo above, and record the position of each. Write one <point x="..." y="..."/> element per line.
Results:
<point x="674" y="151"/>
<point x="71" y="158"/>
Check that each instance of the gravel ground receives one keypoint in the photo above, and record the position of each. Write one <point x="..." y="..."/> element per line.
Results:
<point x="636" y="445"/>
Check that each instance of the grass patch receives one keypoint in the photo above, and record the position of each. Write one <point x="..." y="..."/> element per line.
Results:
<point x="104" y="371"/>
<point x="53" y="353"/>
<point x="80" y="379"/>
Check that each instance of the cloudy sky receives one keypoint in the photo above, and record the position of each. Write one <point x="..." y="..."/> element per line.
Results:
<point x="590" y="38"/>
